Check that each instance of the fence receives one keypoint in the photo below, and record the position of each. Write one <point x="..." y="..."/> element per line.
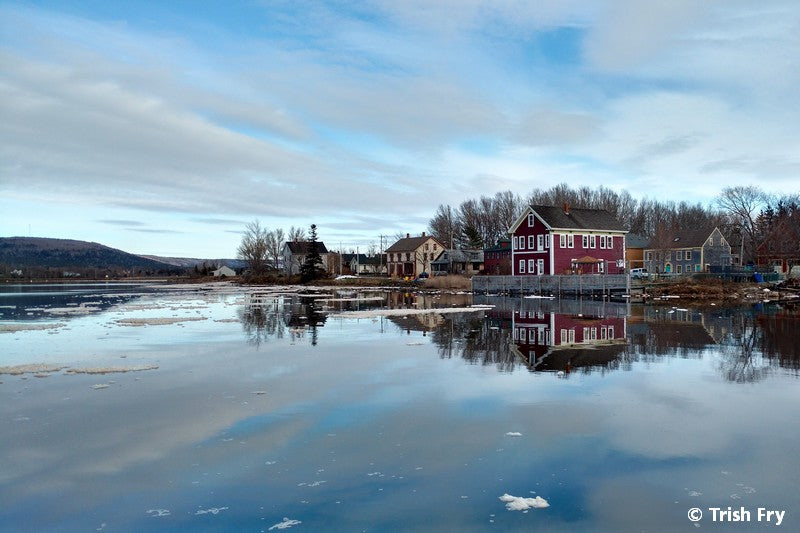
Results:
<point x="586" y="285"/>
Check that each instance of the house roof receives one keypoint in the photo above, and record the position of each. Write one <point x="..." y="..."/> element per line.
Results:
<point x="634" y="240"/>
<point x="409" y="244"/>
<point x="459" y="256"/>
<point x="304" y="247"/>
<point x="572" y="219"/>
<point x="685" y="238"/>
<point x="364" y="259"/>
<point x="502" y="244"/>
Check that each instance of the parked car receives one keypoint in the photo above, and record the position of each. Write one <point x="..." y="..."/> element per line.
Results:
<point x="639" y="273"/>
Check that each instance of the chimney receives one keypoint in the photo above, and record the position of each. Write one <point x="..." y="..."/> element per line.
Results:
<point x="566" y="208"/>
<point x="408" y="235"/>
<point x="423" y="233"/>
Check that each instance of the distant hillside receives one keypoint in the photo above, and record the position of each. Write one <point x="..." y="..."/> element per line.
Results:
<point x="35" y="252"/>
<point x="190" y="262"/>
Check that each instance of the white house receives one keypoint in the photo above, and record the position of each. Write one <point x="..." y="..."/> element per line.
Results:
<point x="223" y="271"/>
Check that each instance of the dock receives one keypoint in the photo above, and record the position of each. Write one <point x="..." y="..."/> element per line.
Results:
<point x="589" y="285"/>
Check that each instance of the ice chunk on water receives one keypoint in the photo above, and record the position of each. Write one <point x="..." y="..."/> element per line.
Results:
<point x="513" y="434"/>
<point x="285" y="524"/>
<point x="519" y="503"/>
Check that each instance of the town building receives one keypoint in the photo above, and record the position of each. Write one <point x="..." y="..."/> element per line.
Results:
<point x="548" y="240"/>
<point x="497" y="258"/>
<point x="462" y="262"/>
<point x="294" y="255"/>
<point x="688" y="251"/>
<point x="411" y="256"/>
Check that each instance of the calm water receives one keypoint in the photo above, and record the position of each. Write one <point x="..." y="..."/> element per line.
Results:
<point x="276" y="410"/>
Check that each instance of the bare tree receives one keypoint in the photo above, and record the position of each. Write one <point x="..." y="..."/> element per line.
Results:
<point x="253" y="248"/>
<point x="742" y="204"/>
<point x="297" y="234"/>
<point x="275" y="242"/>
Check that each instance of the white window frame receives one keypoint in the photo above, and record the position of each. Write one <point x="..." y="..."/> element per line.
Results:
<point x="688" y="255"/>
<point x="585" y="241"/>
<point x="521" y="266"/>
<point x="563" y="336"/>
<point x="540" y="267"/>
<point x="610" y="242"/>
<point x="570" y="241"/>
<point x="601" y="267"/>
<point x="547" y="241"/>
<point x="540" y="242"/>
<point x="531" y="266"/>
<point x="531" y="221"/>
<point x="521" y="245"/>
<point x="610" y="332"/>
<point x="571" y="333"/>
<point x="562" y="240"/>
<point x="602" y="242"/>
<point x="593" y="241"/>
<point x="531" y="242"/>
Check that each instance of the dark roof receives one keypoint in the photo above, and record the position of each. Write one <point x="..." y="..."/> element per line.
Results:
<point x="364" y="259"/>
<point x="586" y="219"/>
<point x="459" y="256"/>
<point x="409" y="244"/>
<point x="304" y="247"/>
<point x="502" y="245"/>
<point x="686" y="238"/>
<point x="634" y="240"/>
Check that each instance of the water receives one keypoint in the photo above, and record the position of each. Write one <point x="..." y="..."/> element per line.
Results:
<point x="269" y="407"/>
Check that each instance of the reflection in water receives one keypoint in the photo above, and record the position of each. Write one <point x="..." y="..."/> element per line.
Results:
<point x="564" y="336"/>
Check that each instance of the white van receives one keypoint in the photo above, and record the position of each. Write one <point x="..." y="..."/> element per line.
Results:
<point x="639" y="273"/>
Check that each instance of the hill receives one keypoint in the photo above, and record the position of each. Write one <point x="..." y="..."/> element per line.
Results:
<point x="190" y="262"/>
<point x="35" y="252"/>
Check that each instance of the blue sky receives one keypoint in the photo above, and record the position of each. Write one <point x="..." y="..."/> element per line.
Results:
<point x="163" y="127"/>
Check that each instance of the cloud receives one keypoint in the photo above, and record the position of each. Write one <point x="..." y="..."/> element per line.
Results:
<point x="122" y="222"/>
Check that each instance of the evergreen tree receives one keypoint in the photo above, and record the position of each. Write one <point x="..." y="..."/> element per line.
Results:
<point x="312" y="268"/>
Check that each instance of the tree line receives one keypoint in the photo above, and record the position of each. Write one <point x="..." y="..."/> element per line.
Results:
<point x="743" y="214"/>
<point x="262" y="249"/>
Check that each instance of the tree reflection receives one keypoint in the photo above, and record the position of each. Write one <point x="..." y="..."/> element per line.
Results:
<point x="272" y="317"/>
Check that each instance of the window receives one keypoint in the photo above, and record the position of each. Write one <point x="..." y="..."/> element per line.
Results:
<point x="669" y="255"/>
<point x="563" y="240"/>
<point x="521" y="266"/>
<point x="586" y="334"/>
<point x="571" y="336"/>
<point x="570" y="241"/>
<point x="688" y="255"/>
<point x="531" y="243"/>
<point x="610" y="332"/>
<point x="711" y="241"/>
<point x="563" y="336"/>
<point x="601" y="266"/>
<point x="610" y="242"/>
<point x="426" y="246"/>
<point x="521" y="244"/>
<point x="603" y="333"/>
<point x="531" y="265"/>
<point x="540" y="266"/>
<point x="602" y="241"/>
<point x="593" y="241"/>
<point x="547" y="241"/>
<point x="648" y="256"/>
<point x="530" y="220"/>
<point x="679" y="269"/>
<point x="540" y="242"/>
<point x="585" y="241"/>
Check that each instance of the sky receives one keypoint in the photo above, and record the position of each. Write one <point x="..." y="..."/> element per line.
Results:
<point x="164" y="127"/>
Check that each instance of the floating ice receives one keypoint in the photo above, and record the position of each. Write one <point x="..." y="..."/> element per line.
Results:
<point x="519" y="503"/>
<point x="111" y="369"/>
<point x="157" y="512"/>
<point x="513" y="434"/>
<point x="285" y="524"/>
<point x="13" y="328"/>
<point x="156" y="321"/>
<point x="100" y="386"/>
<point x="36" y="368"/>
<point x="213" y="510"/>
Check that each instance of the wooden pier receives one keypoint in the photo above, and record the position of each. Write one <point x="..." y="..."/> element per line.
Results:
<point x="599" y="285"/>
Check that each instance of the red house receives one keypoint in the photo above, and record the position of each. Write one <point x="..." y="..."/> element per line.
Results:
<point x="497" y="259"/>
<point x="553" y="240"/>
